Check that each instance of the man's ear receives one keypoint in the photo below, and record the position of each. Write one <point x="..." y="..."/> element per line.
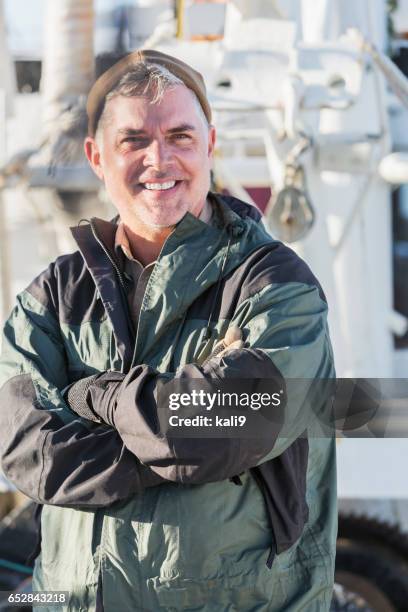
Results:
<point x="93" y="155"/>
<point x="211" y="141"/>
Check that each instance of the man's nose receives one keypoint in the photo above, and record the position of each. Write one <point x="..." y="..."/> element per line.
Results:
<point x="157" y="155"/>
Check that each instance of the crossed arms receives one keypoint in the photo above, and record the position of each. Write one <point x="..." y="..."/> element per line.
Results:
<point x="56" y="457"/>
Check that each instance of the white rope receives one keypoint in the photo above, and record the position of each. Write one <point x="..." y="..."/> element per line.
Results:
<point x="281" y="14"/>
<point x="396" y="79"/>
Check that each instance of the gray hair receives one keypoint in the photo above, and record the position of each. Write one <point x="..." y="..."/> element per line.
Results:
<point x="147" y="80"/>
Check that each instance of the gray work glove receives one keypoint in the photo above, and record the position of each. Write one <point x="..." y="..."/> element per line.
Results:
<point x="232" y="341"/>
<point x="79" y="395"/>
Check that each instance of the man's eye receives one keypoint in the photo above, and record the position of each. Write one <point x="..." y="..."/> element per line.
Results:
<point x="134" y="140"/>
<point x="181" y="136"/>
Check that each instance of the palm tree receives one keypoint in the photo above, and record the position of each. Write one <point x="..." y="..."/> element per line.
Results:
<point x="68" y="71"/>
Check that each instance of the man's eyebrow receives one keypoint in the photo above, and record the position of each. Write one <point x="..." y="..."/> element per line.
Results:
<point x="131" y="132"/>
<point x="184" y="127"/>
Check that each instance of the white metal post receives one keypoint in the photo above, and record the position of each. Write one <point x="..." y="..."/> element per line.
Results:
<point x="5" y="285"/>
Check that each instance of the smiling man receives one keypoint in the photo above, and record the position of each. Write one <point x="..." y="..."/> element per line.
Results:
<point x="153" y="150"/>
<point x="183" y="286"/>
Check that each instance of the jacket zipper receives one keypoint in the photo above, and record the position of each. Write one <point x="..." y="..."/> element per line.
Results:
<point x="120" y="278"/>
<point x="122" y="284"/>
<point x="105" y="250"/>
<point x="141" y="303"/>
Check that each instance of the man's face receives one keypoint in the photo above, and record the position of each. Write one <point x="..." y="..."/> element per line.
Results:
<point x="154" y="158"/>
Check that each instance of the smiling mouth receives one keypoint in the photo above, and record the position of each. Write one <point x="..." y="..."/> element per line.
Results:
<point x="160" y="186"/>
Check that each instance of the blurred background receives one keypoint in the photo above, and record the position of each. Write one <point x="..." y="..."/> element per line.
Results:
<point x="310" y="101"/>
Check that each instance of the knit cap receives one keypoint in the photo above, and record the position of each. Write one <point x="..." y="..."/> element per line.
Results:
<point x="109" y="79"/>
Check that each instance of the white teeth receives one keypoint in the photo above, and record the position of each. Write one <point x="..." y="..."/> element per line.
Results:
<point x="160" y="186"/>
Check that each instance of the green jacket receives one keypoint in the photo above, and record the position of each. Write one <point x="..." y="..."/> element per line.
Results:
<point x="133" y="519"/>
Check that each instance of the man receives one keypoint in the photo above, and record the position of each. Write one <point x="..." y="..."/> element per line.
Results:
<point x="185" y="285"/>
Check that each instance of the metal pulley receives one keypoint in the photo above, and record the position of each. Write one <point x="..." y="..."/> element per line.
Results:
<point x="290" y="214"/>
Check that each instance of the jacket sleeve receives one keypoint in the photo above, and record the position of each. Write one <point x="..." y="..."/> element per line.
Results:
<point x="289" y="322"/>
<point x="49" y="453"/>
<point x="287" y="333"/>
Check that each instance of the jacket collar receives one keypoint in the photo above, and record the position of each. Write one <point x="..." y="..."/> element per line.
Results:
<point x="190" y="261"/>
<point x="95" y="241"/>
